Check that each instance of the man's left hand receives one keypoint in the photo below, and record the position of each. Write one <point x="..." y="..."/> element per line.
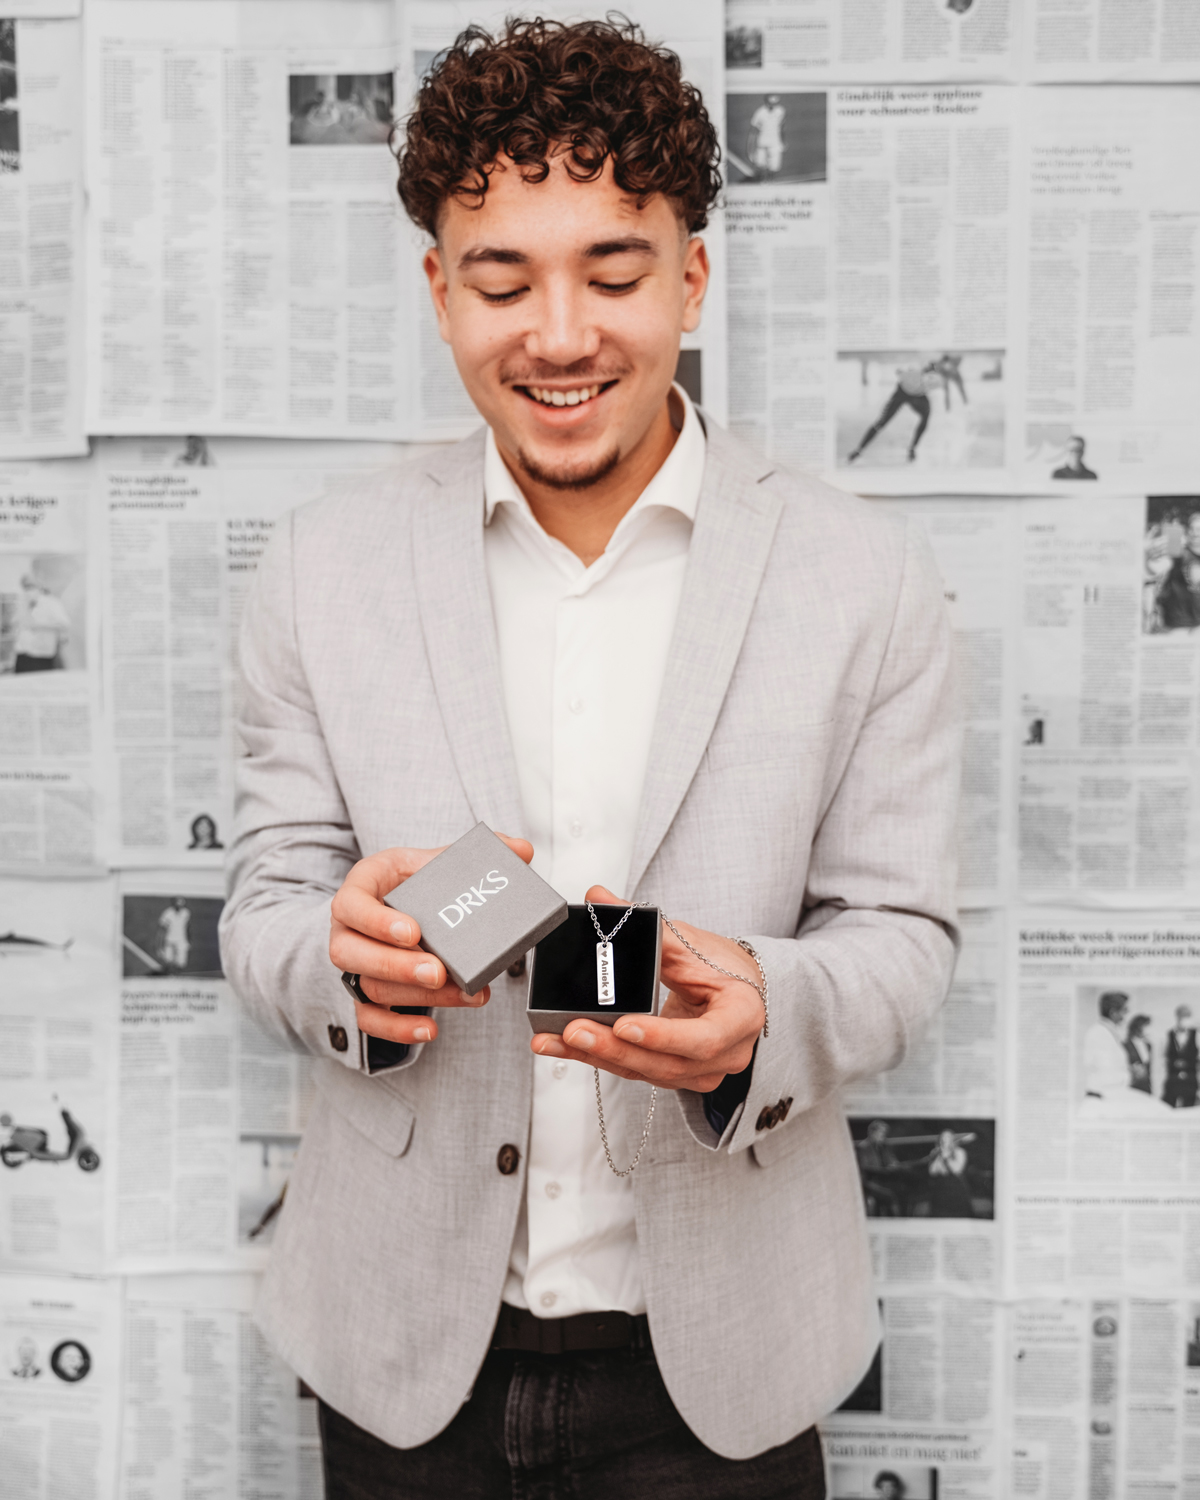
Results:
<point x="707" y="1027"/>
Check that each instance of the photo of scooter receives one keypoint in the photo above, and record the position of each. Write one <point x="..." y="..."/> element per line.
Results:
<point x="31" y="1143"/>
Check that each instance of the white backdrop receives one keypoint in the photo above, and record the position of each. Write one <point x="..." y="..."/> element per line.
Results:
<point x="956" y="269"/>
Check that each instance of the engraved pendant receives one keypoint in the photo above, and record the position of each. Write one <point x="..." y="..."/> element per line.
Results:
<point x="606" y="981"/>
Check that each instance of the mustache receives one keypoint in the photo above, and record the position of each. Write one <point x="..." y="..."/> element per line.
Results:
<point x="582" y="369"/>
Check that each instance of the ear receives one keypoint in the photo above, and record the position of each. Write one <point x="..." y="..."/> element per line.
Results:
<point x="695" y="282"/>
<point x="439" y="289"/>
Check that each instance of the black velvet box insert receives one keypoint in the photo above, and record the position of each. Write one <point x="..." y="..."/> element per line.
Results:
<point x="562" y="972"/>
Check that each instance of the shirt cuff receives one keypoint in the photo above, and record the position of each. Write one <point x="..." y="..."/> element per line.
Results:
<point x="728" y="1094"/>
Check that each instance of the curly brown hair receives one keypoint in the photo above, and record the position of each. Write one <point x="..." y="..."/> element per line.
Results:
<point x="597" y="87"/>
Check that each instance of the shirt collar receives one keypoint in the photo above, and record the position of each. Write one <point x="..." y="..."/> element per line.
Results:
<point x="675" y="486"/>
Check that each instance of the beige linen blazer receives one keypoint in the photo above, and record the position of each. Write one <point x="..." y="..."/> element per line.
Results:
<point x="801" y="791"/>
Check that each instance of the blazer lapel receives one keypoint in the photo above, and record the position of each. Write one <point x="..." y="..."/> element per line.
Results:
<point x="731" y="539"/>
<point x="460" y="636"/>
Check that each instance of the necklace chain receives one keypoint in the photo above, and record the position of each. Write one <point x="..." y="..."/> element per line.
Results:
<point x="760" y="988"/>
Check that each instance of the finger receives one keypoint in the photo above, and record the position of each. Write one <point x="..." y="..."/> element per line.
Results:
<point x="596" y="1043"/>
<point x="700" y="1081"/>
<point x="722" y="1037"/>
<point x="360" y="904"/>
<point x="389" y="1027"/>
<point x="353" y="953"/>
<point x="602" y="894"/>
<point x="449" y="996"/>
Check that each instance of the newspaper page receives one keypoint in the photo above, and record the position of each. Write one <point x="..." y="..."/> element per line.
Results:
<point x="58" y="1009"/>
<point x="926" y="1413"/>
<point x="872" y="234"/>
<point x="975" y="543"/>
<point x="244" y="236"/>
<point x="1104" y="1129"/>
<point x="41" y="237"/>
<point x="1094" y="41"/>
<point x="441" y="407"/>
<point x="1112" y="263"/>
<point x="208" y="1408"/>
<point x="183" y="538"/>
<point x="925" y="1135"/>
<point x="60" y="1374"/>
<point x="41" y="9"/>
<point x="49" y="670"/>
<point x="1105" y="1399"/>
<point x="210" y="1110"/>
<point x="864" y="41"/>
<point x="1109" y="795"/>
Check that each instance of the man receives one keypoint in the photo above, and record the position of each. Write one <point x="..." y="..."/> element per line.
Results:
<point x="44" y="629"/>
<point x="767" y="124"/>
<point x="1074" y="468"/>
<point x="912" y="389"/>
<point x="889" y="1486"/>
<point x="1183" y="1062"/>
<point x="1105" y="1066"/>
<point x="174" y="944"/>
<point x="690" y="680"/>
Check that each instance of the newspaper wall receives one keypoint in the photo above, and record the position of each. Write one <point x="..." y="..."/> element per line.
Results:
<point x="942" y="276"/>
<point x="41" y="235"/>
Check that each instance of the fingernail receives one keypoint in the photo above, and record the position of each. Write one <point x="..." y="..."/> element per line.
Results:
<point x="583" y="1039"/>
<point x="632" y="1034"/>
<point x="421" y="1034"/>
<point x="426" y="974"/>
<point x="402" y="931"/>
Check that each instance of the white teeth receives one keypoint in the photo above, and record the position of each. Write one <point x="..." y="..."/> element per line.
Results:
<point x="562" y="398"/>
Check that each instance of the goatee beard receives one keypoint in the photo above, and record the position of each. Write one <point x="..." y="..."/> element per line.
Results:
<point x="566" y="478"/>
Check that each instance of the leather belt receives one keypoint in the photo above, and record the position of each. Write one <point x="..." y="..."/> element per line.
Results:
<point x="519" y="1330"/>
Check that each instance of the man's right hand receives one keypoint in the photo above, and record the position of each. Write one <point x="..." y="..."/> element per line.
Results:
<point x="369" y="938"/>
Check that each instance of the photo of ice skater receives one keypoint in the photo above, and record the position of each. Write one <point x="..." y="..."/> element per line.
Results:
<point x="939" y="409"/>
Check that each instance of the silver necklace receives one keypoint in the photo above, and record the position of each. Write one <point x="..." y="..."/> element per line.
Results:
<point x="606" y="987"/>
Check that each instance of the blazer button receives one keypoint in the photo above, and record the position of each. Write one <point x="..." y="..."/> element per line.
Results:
<point x="338" y="1039"/>
<point x="783" y="1106"/>
<point x="516" y="970"/>
<point x="507" y="1159"/>
<point x="766" y="1119"/>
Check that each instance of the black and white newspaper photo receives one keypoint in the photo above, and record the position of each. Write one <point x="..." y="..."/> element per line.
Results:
<point x="210" y="1108"/>
<point x="50" y="727"/>
<point x="1109" y="796"/>
<point x="1104" y="1128"/>
<point x="41" y="211"/>
<point x="60" y="1375"/>
<point x="58" y="1014"/>
<point x="785" y="42"/>
<point x="208" y="1407"/>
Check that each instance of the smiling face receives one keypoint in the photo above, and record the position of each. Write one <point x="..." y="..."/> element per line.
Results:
<point x="563" y="303"/>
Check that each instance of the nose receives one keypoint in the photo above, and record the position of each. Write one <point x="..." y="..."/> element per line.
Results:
<point x="563" y="331"/>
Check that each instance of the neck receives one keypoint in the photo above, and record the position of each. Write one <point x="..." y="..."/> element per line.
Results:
<point x="584" y="520"/>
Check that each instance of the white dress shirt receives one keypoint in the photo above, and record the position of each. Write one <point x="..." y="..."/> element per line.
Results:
<point x="582" y="657"/>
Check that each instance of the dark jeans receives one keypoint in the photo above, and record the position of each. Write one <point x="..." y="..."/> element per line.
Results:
<point x="564" y="1427"/>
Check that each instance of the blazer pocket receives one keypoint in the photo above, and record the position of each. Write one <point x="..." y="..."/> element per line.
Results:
<point x="369" y="1105"/>
<point x="777" y="1145"/>
<point x="794" y="742"/>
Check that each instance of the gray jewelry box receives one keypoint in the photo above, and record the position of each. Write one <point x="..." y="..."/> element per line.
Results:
<point x="562" y="970"/>
<point x="480" y="907"/>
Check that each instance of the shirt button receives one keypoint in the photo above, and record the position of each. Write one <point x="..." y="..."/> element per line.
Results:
<point x="576" y="829"/>
<point x="576" y="705"/>
<point x="560" y="1070"/>
<point x="548" y="1299"/>
<point x="553" y="1189"/>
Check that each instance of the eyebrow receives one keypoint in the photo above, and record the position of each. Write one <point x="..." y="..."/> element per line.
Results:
<point x="633" y="244"/>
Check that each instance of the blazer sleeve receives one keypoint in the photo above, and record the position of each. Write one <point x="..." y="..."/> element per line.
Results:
<point x="874" y="953"/>
<point x="284" y="866"/>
